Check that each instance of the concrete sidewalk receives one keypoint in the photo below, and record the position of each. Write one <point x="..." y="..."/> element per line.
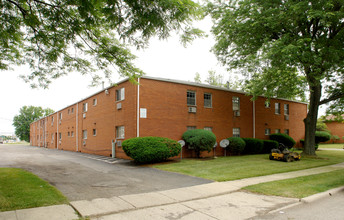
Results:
<point x="217" y="200"/>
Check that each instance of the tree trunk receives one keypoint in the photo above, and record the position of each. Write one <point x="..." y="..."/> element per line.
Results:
<point x="311" y="119"/>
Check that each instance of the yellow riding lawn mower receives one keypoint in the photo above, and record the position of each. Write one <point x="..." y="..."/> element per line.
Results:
<point x="282" y="153"/>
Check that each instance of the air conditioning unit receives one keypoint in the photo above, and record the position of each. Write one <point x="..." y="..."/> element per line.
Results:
<point x="119" y="105"/>
<point x="84" y="115"/>
<point x="236" y="113"/>
<point x="192" y="109"/>
<point x="84" y="143"/>
<point x="286" y="117"/>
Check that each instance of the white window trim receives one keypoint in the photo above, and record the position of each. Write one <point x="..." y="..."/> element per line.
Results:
<point x="122" y="94"/>
<point x="187" y="98"/>
<point x="279" y="108"/>
<point x="95" y="102"/>
<point x="211" y="100"/>
<point x="118" y="133"/>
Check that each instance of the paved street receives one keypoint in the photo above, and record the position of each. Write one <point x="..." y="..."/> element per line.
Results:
<point x="82" y="176"/>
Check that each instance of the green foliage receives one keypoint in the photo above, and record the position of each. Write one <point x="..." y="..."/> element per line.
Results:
<point x="284" y="47"/>
<point x="253" y="146"/>
<point x="268" y="146"/>
<point x="236" y="145"/>
<point x="150" y="149"/>
<point x="214" y="79"/>
<point x="335" y="138"/>
<point x="200" y="140"/>
<point x="27" y="115"/>
<point x="58" y="37"/>
<point x="322" y="136"/>
<point x="321" y="126"/>
<point x="285" y="139"/>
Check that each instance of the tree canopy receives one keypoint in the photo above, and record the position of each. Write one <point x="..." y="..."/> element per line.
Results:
<point x="55" y="37"/>
<point x="28" y="114"/>
<point x="278" y="41"/>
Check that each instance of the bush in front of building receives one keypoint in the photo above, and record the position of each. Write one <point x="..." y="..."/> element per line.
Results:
<point x="268" y="145"/>
<point x="253" y="146"/>
<point x="321" y="136"/>
<point x="236" y="145"/>
<point x="284" y="139"/>
<point x="199" y="140"/>
<point x="150" y="149"/>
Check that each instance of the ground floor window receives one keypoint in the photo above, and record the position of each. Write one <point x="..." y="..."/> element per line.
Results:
<point x="277" y="131"/>
<point x="120" y="132"/>
<point x="286" y="131"/>
<point x="236" y="132"/>
<point x="84" y="134"/>
<point x="208" y="129"/>
<point x="267" y="131"/>
<point x="190" y="128"/>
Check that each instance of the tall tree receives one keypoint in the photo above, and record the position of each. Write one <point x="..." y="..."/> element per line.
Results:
<point x="214" y="79"/>
<point x="28" y="114"/>
<point x="285" y="37"/>
<point x="55" y="37"/>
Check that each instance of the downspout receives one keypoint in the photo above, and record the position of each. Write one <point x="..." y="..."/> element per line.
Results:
<point x="58" y="135"/>
<point x="254" y="119"/>
<point x="138" y="109"/>
<point x="76" y="127"/>
<point x="45" y="132"/>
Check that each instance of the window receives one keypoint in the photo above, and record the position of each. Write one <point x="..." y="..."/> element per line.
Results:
<point x="236" y="132"/>
<point x="60" y="136"/>
<point x="277" y="108"/>
<point x="277" y="131"/>
<point x="236" y="103"/>
<point x="190" y="128"/>
<point x="120" y="94"/>
<point x="84" y="107"/>
<point x="120" y="132"/>
<point x="208" y="128"/>
<point x="267" y="131"/>
<point x="52" y="120"/>
<point x="72" y="111"/>
<point x="68" y="111"/>
<point x="267" y="104"/>
<point x="60" y="115"/>
<point x="191" y="98"/>
<point x="207" y="100"/>
<point x="52" y="138"/>
<point x="84" y="134"/>
<point x="286" y="109"/>
<point x="286" y="131"/>
<point x="72" y="133"/>
<point x="94" y="132"/>
<point x="68" y="134"/>
<point x="94" y="102"/>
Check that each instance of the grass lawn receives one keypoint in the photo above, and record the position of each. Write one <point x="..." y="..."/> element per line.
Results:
<point x="239" y="167"/>
<point x="301" y="187"/>
<point x="20" y="189"/>
<point x="337" y="146"/>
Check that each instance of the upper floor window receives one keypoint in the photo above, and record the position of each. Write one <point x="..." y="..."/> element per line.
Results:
<point x="94" y="102"/>
<point x="277" y="108"/>
<point x="120" y="94"/>
<point x="60" y="115"/>
<point x="286" y="109"/>
<point x="207" y="100"/>
<point x="191" y="98"/>
<point x="236" y="103"/>
<point x="236" y="132"/>
<point x="72" y="110"/>
<point x="94" y="132"/>
<point x="84" y="107"/>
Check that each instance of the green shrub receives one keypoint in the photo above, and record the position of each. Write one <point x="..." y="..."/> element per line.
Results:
<point x="200" y="140"/>
<point x="284" y="139"/>
<point x="253" y="146"/>
<point x="236" y="145"/>
<point x="335" y="138"/>
<point x="150" y="149"/>
<point x="322" y="136"/>
<point x="268" y="145"/>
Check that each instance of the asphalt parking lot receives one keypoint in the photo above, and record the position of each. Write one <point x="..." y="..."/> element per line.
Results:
<point x="83" y="176"/>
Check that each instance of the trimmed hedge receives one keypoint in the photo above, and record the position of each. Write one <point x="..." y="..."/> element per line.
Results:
<point x="151" y="149"/>
<point x="236" y="145"/>
<point x="253" y="146"/>
<point x="268" y="146"/>
<point x="285" y="139"/>
<point x="199" y="140"/>
<point x="322" y="136"/>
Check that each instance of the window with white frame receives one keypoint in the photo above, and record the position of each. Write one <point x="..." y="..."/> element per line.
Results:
<point x="277" y="131"/>
<point x="52" y="138"/>
<point x="236" y="132"/>
<point x="277" y="108"/>
<point x="207" y="100"/>
<point x="286" y="131"/>
<point x="94" y="132"/>
<point x="236" y="103"/>
<point x="72" y="133"/>
<point x="60" y="136"/>
<point x="286" y="109"/>
<point x="68" y="134"/>
<point x="267" y="131"/>
<point x="190" y="128"/>
<point x="191" y="98"/>
<point x="94" y="102"/>
<point x="120" y="94"/>
<point x="72" y="111"/>
<point x="208" y="129"/>
<point x="84" y="107"/>
<point x="60" y="115"/>
<point x="120" y="132"/>
<point x="84" y="134"/>
<point x="52" y="120"/>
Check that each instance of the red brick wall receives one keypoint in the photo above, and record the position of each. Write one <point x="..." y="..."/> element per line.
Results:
<point x="336" y="128"/>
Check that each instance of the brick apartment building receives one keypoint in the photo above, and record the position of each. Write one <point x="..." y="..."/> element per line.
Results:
<point x="165" y="108"/>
